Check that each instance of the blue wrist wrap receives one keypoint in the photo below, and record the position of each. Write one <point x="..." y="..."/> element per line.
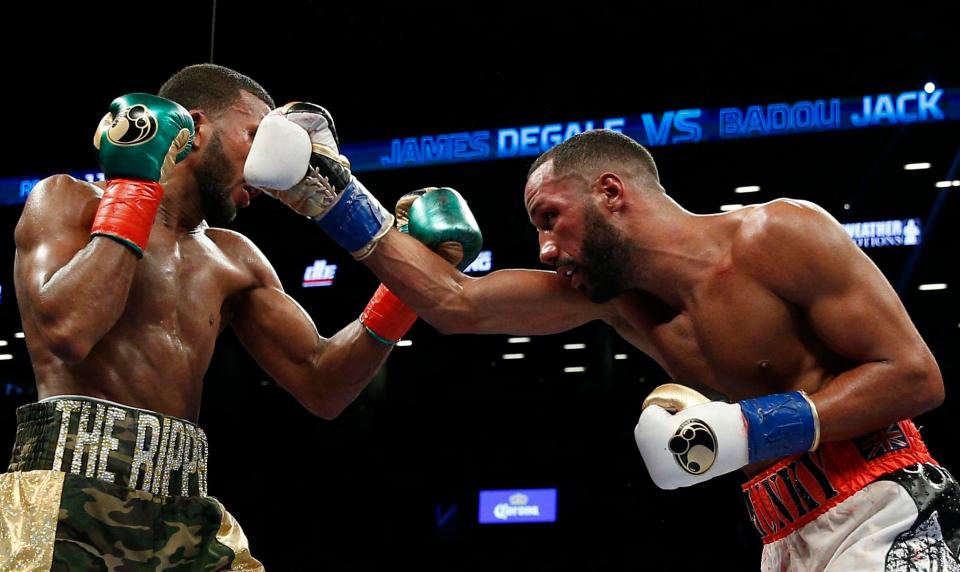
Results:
<point x="356" y="219"/>
<point x="778" y="425"/>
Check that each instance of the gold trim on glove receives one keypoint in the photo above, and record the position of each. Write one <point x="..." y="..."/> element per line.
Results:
<point x="674" y="397"/>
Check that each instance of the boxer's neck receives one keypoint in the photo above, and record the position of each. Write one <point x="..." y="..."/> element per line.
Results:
<point x="181" y="209"/>
<point x="674" y="250"/>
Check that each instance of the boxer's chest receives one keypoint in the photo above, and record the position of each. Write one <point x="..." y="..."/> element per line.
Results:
<point x="180" y="287"/>
<point x="735" y="336"/>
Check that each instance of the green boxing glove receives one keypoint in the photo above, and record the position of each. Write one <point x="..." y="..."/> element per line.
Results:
<point x="441" y="219"/>
<point x="139" y="141"/>
<point x="142" y="137"/>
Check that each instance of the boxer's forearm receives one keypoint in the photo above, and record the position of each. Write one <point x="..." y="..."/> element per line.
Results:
<point x="419" y="277"/>
<point x="506" y="302"/>
<point x="349" y="361"/>
<point x="324" y="374"/>
<point x="82" y="301"/>
<point x="878" y="394"/>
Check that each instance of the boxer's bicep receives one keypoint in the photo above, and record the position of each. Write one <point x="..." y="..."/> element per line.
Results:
<point x="283" y="341"/>
<point x="57" y="265"/>
<point x="276" y="330"/>
<point x="855" y="313"/>
<point x="279" y="334"/>
<point x="858" y="315"/>
<point x="49" y="233"/>
<point x="880" y="368"/>
<point x="848" y="303"/>
<point x="323" y="374"/>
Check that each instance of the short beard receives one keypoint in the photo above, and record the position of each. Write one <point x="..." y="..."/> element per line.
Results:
<point x="218" y="206"/>
<point x="604" y="256"/>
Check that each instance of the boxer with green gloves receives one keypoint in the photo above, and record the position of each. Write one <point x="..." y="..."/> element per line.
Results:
<point x="121" y="334"/>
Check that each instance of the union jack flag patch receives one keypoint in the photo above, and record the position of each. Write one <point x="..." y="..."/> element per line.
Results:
<point x="879" y="443"/>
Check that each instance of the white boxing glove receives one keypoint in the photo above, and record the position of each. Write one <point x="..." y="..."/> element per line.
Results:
<point x="686" y="439"/>
<point x="296" y="159"/>
<point x="279" y="156"/>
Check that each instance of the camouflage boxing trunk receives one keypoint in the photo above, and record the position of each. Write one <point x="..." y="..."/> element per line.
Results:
<point x="95" y="485"/>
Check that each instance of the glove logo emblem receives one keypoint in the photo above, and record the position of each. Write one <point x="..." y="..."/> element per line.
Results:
<point x="132" y="126"/>
<point x="694" y="446"/>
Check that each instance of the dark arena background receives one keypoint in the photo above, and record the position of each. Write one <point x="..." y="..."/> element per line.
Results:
<point x="851" y="108"/>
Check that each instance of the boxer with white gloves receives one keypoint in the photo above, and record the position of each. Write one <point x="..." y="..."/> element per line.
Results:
<point x="295" y="158"/>
<point x="771" y="306"/>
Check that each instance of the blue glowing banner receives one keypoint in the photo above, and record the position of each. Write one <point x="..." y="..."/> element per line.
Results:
<point x="483" y="263"/>
<point x="672" y="127"/>
<point x="14" y="191"/>
<point x="873" y="234"/>
<point x="515" y="506"/>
